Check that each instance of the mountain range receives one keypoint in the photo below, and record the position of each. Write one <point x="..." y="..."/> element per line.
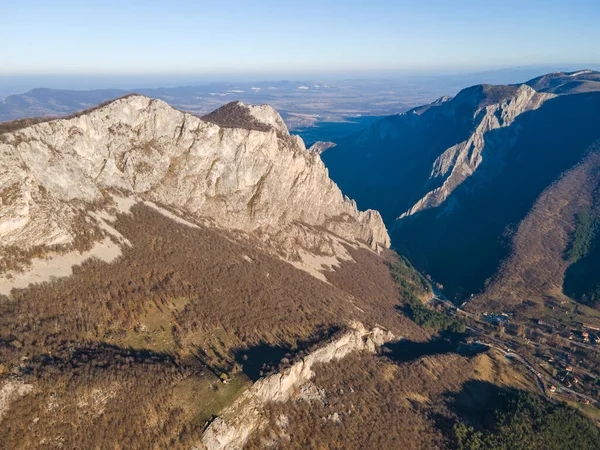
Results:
<point x="301" y="103"/>
<point x="171" y="280"/>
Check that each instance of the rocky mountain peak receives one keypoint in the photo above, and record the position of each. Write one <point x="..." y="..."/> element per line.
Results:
<point x="567" y="82"/>
<point x="237" y="168"/>
<point x="253" y="117"/>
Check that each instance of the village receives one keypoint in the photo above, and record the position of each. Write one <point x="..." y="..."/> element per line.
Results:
<point x="563" y="355"/>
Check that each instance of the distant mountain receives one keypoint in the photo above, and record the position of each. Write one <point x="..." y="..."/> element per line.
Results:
<point x="302" y="104"/>
<point x="459" y="180"/>
<point x="52" y="102"/>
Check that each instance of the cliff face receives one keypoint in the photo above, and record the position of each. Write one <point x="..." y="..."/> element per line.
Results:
<point x="461" y="160"/>
<point x="238" y="168"/>
<point x="235" y="425"/>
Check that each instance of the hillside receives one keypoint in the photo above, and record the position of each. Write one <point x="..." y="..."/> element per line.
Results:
<point x="544" y="246"/>
<point x="134" y="351"/>
<point x="437" y="401"/>
<point x="154" y="265"/>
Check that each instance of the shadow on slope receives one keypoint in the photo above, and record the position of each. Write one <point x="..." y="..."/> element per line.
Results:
<point x="582" y="278"/>
<point x="404" y="351"/>
<point x="262" y="359"/>
<point x="385" y="166"/>
<point x="462" y="243"/>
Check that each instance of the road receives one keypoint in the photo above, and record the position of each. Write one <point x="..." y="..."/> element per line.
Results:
<point x="501" y="346"/>
<point x="452" y="306"/>
<point x="518" y="357"/>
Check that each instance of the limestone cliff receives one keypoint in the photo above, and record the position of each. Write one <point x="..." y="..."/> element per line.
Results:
<point x="321" y="146"/>
<point x="238" y="168"/>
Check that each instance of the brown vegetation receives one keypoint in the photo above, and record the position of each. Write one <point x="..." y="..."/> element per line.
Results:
<point x="99" y="397"/>
<point x="235" y="115"/>
<point x="537" y="263"/>
<point x="130" y="354"/>
<point x="372" y="402"/>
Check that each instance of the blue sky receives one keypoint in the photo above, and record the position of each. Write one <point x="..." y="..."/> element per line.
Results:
<point x="234" y="36"/>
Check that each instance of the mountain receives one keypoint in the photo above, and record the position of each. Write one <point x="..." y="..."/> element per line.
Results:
<point x="303" y="104"/>
<point x="52" y="102"/>
<point x="155" y="265"/>
<point x="222" y="168"/>
<point x="567" y="83"/>
<point x="458" y="180"/>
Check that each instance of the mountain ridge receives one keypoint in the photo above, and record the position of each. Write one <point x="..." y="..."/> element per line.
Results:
<point x="260" y="181"/>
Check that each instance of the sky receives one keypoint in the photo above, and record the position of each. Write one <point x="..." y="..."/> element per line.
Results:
<point x="286" y="36"/>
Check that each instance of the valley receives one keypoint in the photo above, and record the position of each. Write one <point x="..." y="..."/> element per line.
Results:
<point x="500" y="230"/>
<point x="492" y="145"/>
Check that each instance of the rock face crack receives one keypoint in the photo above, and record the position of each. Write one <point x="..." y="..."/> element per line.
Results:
<point x="101" y="169"/>
<point x="181" y="129"/>
<point x="254" y="200"/>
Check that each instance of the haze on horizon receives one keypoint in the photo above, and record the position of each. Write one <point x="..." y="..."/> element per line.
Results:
<point x="274" y="37"/>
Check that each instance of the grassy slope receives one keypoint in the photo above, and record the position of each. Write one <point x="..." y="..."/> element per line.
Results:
<point x="543" y="240"/>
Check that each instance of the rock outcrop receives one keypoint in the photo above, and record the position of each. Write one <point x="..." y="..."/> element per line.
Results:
<point x="235" y="425"/>
<point x="238" y="168"/>
<point x="321" y="146"/>
<point x="10" y="391"/>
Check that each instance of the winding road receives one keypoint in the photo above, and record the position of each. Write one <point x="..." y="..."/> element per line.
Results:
<point x="540" y="377"/>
